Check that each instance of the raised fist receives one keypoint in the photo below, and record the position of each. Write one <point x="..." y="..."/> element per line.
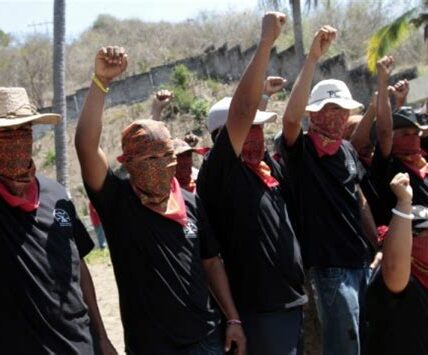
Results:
<point x="384" y="67"/>
<point x="271" y="26"/>
<point x="400" y="186"/>
<point x="400" y="90"/>
<point x="273" y="84"/>
<point x="110" y="62"/>
<point x="322" y="41"/>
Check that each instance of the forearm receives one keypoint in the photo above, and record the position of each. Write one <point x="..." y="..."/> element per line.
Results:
<point x="397" y="247"/>
<point x="89" y="297"/>
<point x="89" y="126"/>
<point x="219" y="286"/>
<point x="247" y="96"/>
<point x="384" y="118"/>
<point x="361" y="136"/>
<point x="300" y="93"/>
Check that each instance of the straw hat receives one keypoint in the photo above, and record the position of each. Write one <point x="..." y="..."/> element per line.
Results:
<point x="15" y="109"/>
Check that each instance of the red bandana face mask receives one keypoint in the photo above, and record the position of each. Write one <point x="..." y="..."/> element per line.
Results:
<point x="17" y="169"/>
<point x="326" y="129"/>
<point x="252" y="154"/>
<point x="148" y="156"/>
<point x="407" y="148"/>
<point x="183" y="171"/>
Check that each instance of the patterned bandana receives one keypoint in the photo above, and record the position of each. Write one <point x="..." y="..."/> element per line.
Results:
<point x="408" y="149"/>
<point x="183" y="171"/>
<point x="326" y="129"/>
<point x="17" y="169"/>
<point x="148" y="156"/>
<point x="420" y="259"/>
<point x="252" y="154"/>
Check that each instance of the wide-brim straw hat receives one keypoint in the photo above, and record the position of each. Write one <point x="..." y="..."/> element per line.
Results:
<point x="16" y="109"/>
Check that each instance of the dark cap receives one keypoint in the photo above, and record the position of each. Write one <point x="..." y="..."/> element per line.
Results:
<point x="406" y="117"/>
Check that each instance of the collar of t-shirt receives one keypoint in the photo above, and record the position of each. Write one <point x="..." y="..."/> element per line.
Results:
<point x="262" y="170"/>
<point x="324" y="145"/>
<point x="28" y="203"/>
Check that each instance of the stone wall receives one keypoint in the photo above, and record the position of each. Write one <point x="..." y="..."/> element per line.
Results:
<point x="226" y="65"/>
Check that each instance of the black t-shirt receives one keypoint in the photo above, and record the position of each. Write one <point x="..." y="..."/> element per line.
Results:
<point x="326" y="189"/>
<point x="41" y="305"/>
<point x="371" y="193"/>
<point x="384" y="169"/>
<point x="397" y="323"/>
<point x="164" y="298"/>
<point x="252" y="225"/>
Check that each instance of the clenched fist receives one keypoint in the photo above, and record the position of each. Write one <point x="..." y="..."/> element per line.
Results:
<point x="271" y="26"/>
<point x="110" y="62"/>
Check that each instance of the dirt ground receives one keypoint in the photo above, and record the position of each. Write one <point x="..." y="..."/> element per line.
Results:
<point x="108" y="302"/>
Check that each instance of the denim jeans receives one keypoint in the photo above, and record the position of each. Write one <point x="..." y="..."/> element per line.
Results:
<point x="211" y="345"/>
<point x="99" y="231"/>
<point x="276" y="333"/>
<point x="340" y="299"/>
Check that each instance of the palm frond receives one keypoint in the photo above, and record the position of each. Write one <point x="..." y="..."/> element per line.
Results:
<point x="387" y="38"/>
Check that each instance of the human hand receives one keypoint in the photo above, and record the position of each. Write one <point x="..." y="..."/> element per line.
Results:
<point x="271" y="26"/>
<point x="400" y="186"/>
<point x="400" y="90"/>
<point x="322" y="41"/>
<point x="384" y="68"/>
<point x="161" y="99"/>
<point x="110" y="62"/>
<point x="235" y="333"/>
<point x="273" y="84"/>
<point x="191" y="139"/>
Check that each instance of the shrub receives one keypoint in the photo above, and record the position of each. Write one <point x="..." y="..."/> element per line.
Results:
<point x="49" y="158"/>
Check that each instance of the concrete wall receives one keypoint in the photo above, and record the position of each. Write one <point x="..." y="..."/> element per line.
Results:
<point x="227" y="65"/>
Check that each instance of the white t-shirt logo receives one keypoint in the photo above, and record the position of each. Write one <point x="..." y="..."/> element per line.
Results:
<point x="62" y="217"/>
<point x="190" y="230"/>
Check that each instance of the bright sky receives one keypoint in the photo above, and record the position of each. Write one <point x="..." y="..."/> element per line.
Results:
<point x="21" y="17"/>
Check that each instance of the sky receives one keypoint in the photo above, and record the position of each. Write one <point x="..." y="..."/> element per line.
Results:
<point x="20" y="17"/>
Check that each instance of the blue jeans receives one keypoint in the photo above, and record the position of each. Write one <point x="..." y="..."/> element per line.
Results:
<point x="99" y="231"/>
<point x="276" y="333"/>
<point x="211" y="345"/>
<point x="340" y="299"/>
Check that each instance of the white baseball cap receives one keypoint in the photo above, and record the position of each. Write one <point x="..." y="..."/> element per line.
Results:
<point x="331" y="91"/>
<point x="217" y="115"/>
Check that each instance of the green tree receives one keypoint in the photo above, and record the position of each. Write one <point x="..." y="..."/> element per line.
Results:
<point x="392" y="34"/>
<point x="4" y="39"/>
<point x="59" y="102"/>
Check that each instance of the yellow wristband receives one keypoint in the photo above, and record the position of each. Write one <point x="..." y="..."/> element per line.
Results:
<point x="99" y="84"/>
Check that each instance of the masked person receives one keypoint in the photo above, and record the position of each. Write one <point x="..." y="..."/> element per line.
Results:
<point x="246" y="200"/>
<point x="336" y="226"/>
<point x="399" y="145"/>
<point x="47" y="299"/>
<point x="397" y="298"/>
<point x="184" y="171"/>
<point x="163" y="252"/>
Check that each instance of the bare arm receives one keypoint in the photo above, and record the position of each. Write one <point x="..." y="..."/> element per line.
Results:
<point x="384" y="114"/>
<point x="248" y="93"/>
<point x="109" y="63"/>
<point x="296" y="105"/>
<point x="90" y="299"/>
<point x="161" y="99"/>
<point x="361" y="137"/>
<point x="219" y="286"/>
<point x="397" y="247"/>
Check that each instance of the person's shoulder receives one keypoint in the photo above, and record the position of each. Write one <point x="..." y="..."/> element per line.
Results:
<point x="48" y="185"/>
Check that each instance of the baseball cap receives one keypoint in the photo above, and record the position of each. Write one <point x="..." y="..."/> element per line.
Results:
<point x="331" y="91"/>
<point x="406" y="117"/>
<point x="180" y="146"/>
<point x="217" y="115"/>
